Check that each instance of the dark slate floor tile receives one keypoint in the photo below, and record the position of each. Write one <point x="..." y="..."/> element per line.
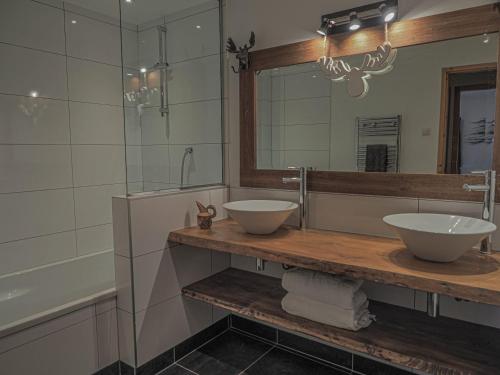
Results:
<point x="200" y="338"/>
<point x="175" y="370"/>
<point x="282" y="362"/>
<point x="370" y="367"/>
<point x="316" y="349"/>
<point x="157" y="364"/>
<point x="254" y="328"/>
<point x="228" y="354"/>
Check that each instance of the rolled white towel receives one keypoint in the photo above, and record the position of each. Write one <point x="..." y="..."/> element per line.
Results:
<point x="351" y="319"/>
<point x="324" y="287"/>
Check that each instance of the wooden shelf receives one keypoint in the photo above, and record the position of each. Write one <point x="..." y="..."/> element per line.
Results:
<point x="401" y="336"/>
<point x="473" y="277"/>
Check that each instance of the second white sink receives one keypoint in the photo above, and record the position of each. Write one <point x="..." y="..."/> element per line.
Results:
<point x="437" y="237"/>
<point x="260" y="216"/>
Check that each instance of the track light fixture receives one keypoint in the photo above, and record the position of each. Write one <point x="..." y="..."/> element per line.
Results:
<point x="355" y="22"/>
<point x="388" y="12"/>
<point x="349" y="20"/>
<point x="325" y="27"/>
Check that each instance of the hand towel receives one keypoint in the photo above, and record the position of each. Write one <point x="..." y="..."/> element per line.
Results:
<point x="324" y="287"/>
<point x="353" y="320"/>
<point x="376" y="158"/>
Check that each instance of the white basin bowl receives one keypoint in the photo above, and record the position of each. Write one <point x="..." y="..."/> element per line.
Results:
<point x="439" y="238"/>
<point x="260" y="217"/>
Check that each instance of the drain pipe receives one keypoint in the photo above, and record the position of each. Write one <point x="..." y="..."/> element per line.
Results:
<point x="433" y="305"/>
<point x="261" y="264"/>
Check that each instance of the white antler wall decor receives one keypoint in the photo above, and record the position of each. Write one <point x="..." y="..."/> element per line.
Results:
<point x="376" y="63"/>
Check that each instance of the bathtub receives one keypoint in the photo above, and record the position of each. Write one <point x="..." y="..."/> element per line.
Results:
<point x="30" y="297"/>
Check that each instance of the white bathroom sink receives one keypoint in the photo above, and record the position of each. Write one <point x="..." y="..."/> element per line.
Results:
<point x="437" y="237"/>
<point x="260" y="216"/>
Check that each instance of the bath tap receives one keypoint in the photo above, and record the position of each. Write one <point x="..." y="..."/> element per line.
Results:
<point x="302" y="180"/>
<point x="488" y="188"/>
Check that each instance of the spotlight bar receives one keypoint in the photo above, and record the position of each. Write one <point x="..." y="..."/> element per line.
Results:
<point x="350" y="20"/>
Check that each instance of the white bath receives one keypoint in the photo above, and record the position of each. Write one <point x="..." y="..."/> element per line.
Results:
<point x="33" y="296"/>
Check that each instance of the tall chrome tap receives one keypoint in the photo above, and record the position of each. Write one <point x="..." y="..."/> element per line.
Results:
<point x="488" y="212"/>
<point x="302" y="181"/>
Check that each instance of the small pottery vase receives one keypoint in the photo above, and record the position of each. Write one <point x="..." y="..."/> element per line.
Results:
<point x="205" y="216"/>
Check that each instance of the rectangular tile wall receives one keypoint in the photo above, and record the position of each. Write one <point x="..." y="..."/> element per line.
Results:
<point x="153" y="316"/>
<point x="62" y="153"/>
<point x="156" y="143"/>
<point x="294" y="118"/>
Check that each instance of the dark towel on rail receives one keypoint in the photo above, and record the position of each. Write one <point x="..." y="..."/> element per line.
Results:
<point x="376" y="158"/>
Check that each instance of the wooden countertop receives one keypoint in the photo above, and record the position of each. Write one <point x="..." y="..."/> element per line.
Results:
<point x="474" y="277"/>
<point x="401" y="336"/>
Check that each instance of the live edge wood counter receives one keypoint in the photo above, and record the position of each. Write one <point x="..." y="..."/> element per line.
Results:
<point x="473" y="277"/>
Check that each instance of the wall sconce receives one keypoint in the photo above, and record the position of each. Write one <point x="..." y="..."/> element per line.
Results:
<point x="354" y="19"/>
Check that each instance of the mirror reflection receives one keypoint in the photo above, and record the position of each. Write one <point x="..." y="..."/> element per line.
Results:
<point x="433" y="113"/>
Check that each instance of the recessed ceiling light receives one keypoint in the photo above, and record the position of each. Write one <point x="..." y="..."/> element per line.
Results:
<point x="130" y="74"/>
<point x="73" y="21"/>
<point x="34" y="94"/>
<point x="198" y="27"/>
<point x="143" y="70"/>
<point x="128" y="1"/>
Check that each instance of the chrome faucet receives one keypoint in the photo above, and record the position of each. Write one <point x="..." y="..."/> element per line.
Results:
<point x="488" y="188"/>
<point x="302" y="181"/>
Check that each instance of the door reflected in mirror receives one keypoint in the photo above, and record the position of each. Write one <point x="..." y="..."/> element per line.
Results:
<point x="433" y="113"/>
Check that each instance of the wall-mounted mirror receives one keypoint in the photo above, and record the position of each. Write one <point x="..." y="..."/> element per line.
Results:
<point x="433" y="113"/>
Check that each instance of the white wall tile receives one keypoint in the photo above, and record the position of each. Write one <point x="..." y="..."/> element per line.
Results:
<point x="167" y="324"/>
<point x="306" y="85"/>
<point x="161" y="275"/>
<point x="148" y="47"/>
<point x="123" y="283"/>
<point x="356" y="213"/>
<point x="130" y="48"/>
<point x="97" y="165"/>
<point x="107" y="338"/>
<point x="26" y="168"/>
<point x="44" y="329"/>
<point x="250" y="264"/>
<point x="219" y="196"/>
<point x="478" y="313"/>
<point x="94" y="239"/>
<point x="307" y="137"/>
<point x="33" y="120"/>
<point x="390" y="294"/>
<point x="91" y="39"/>
<point x="132" y="126"/>
<point x="93" y="204"/>
<point x="134" y="163"/>
<point x="126" y="337"/>
<point x="24" y="215"/>
<point x="135" y="187"/>
<point x="20" y="255"/>
<point x="220" y="261"/>
<point x="307" y="111"/>
<point x="156" y="163"/>
<point x="155" y="129"/>
<point x="194" y="80"/>
<point x="105" y="306"/>
<point x="20" y="75"/>
<point x="198" y="122"/>
<point x="30" y="24"/>
<point x="186" y="41"/>
<point x="120" y="217"/>
<point x="69" y="351"/>
<point x="96" y="124"/>
<point x="153" y="218"/>
<point x="93" y="82"/>
<point x="203" y="166"/>
<point x="319" y="160"/>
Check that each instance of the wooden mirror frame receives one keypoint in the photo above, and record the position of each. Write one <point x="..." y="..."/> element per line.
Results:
<point x="458" y="24"/>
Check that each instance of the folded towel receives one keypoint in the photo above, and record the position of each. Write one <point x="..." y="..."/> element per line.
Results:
<point x="350" y="319"/>
<point x="324" y="287"/>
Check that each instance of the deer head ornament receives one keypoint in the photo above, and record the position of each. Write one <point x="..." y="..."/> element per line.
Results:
<point x="378" y="62"/>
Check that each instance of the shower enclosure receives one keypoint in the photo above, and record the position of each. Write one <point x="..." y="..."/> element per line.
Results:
<point x="172" y="98"/>
<point x="97" y="99"/>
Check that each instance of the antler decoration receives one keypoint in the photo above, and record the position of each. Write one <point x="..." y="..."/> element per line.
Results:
<point x="241" y="52"/>
<point x="376" y="63"/>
